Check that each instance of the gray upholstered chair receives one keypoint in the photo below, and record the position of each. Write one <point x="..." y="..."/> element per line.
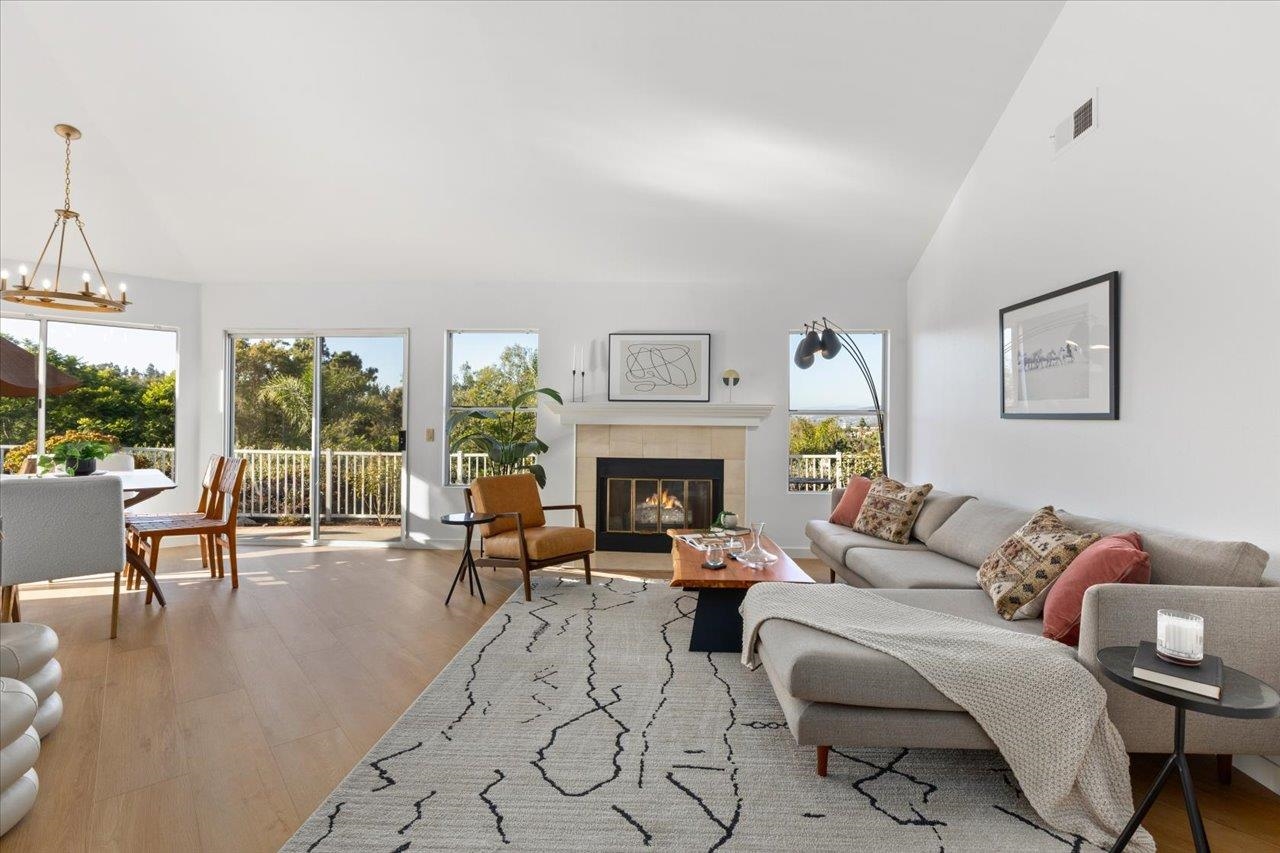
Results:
<point x="59" y="527"/>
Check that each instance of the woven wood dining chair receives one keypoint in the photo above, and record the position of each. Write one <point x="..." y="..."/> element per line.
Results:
<point x="206" y="508"/>
<point x="146" y="534"/>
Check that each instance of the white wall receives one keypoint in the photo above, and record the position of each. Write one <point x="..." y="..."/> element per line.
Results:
<point x="749" y="333"/>
<point x="172" y="304"/>
<point x="1179" y="190"/>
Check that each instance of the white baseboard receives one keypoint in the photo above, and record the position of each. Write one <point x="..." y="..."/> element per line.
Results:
<point x="1264" y="768"/>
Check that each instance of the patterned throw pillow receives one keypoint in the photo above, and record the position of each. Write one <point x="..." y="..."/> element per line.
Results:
<point x="1020" y="572"/>
<point x="890" y="509"/>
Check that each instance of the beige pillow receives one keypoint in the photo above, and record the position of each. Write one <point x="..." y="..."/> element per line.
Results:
<point x="1019" y="573"/>
<point x="890" y="509"/>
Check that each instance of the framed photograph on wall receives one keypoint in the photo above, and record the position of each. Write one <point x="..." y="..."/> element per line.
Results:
<point x="660" y="366"/>
<point x="1060" y="353"/>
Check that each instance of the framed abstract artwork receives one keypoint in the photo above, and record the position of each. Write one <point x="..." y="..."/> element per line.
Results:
<point x="1060" y="353"/>
<point x="660" y="366"/>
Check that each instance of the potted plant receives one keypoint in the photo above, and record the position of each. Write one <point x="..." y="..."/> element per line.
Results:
<point x="505" y="437"/>
<point x="78" y="458"/>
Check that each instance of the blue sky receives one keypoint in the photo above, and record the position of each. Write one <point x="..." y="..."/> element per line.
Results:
<point x="95" y="344"/>
<point x="481" y="348"/>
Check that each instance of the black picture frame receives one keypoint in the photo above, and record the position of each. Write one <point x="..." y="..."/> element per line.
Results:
<point x="704" y="397"/>
<point x="1110" y="282"/>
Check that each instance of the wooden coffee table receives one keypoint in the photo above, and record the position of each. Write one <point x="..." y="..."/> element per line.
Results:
<point x="717" y="624"/>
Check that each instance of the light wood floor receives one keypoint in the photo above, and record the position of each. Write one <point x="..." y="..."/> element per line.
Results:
<point x="223" y="720"/>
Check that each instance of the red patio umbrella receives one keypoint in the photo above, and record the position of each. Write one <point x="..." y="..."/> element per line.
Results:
<point x="19" y="373"/>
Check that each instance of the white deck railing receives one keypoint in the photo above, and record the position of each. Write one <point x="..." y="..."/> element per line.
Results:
<point x="830" y="468"/>
<point x="353" y="483"/>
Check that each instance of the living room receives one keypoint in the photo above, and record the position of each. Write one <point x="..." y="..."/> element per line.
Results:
<point x="617" y="425"/>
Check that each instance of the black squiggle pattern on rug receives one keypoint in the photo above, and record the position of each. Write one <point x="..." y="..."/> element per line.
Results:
<point x="471" y="698"/>
<point x="402" y="847"/>
<point x="417" y="807"/>
<point x="565" y="625"/>
<point x="493" y="807"/>
<point x="666" y="682"/>
<point x="537" y="632"/>
<point x="386" y="778"/>
<point x="629" y="819"/>
<point x="891" y="767"/>
<point x="813" y="815"/>
<point x="1076" y="843"/>
<point x="728" y="745"/>
<point x="764" y="725"/>
<point x="542" y="675"/>
<point x="598" y="706"/>
<point x="333" y="816"/>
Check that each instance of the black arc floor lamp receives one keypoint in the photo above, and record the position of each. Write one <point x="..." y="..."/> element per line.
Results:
<point x="826" y="338"/>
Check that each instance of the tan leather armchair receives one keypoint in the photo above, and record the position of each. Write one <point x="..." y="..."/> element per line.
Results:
<point x="520" y="536"/>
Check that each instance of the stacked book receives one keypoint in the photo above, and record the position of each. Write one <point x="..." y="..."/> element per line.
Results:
<point x="1203" y="679"/>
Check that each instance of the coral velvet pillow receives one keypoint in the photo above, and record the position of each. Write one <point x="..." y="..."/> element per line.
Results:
<point x="846" y="512"/>
<point x="1112" y="559"/>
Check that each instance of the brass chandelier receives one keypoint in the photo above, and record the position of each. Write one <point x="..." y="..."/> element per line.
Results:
<point x="49" y="293"/>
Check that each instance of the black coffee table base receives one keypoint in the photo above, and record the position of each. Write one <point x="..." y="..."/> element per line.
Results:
<point x="717" y="624"/>
<point x="1177" y="763"/>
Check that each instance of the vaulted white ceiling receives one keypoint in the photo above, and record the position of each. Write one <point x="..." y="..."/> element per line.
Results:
<point x="524" y="142"/>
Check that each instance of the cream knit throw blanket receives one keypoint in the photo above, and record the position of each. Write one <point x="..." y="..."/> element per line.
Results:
<point x="1044" y="711"/>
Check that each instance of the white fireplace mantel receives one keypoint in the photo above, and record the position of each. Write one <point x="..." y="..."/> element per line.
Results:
<point x="661" y="414"/>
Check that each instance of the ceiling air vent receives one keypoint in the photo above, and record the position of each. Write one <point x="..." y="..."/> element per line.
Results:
<point x="1083" y="119"/>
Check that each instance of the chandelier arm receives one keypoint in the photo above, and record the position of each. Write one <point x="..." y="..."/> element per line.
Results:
<point x="102" y="278"/>
<point x="57" y="272"/>
<point x="36" y="269"/>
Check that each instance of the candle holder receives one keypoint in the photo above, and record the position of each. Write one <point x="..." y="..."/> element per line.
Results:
<point x="1180" y="637"/>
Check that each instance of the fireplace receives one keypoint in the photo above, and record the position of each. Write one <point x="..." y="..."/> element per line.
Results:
<point x="638" y="500"/>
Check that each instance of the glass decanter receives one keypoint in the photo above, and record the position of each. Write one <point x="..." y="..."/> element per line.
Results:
<point x="756" y="557"/>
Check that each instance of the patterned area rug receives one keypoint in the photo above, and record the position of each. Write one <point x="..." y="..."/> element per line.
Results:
<point x="580" y="721"/>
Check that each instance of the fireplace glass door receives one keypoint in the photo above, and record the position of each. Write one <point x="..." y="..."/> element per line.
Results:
<point x="652" y="506"/>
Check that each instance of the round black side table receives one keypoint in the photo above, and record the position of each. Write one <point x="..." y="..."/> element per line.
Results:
<point x="1243" y="696"/>
<point x="467" y="567"/>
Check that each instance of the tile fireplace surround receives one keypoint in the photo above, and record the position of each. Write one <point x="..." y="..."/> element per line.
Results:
<point x="593" y="441"/>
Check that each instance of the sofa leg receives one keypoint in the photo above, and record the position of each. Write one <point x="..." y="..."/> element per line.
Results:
<point x="586" y="565"/>
<point x="823" y="752"/>
<point x="1224" y="769"/>
<point x="833" y="575"/>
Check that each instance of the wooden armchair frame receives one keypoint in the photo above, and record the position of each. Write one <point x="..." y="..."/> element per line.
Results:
<point x="524" y="562"/>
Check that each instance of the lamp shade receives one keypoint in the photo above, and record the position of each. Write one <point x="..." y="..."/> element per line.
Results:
<point x="830" y="343"/>
<point x="803" y="359"/>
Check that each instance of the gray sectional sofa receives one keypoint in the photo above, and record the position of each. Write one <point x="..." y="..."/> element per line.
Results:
<point x="837" y="693"/>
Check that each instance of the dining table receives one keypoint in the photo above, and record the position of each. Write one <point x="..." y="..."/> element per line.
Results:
<point x="138" y="485"/>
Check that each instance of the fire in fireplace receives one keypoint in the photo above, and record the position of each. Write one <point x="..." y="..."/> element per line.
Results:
<point x="638" y="500"/>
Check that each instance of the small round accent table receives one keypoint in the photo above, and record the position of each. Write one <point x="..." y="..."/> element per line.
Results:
<point x="467" y="567"/>
<point x="1243" y="696"/>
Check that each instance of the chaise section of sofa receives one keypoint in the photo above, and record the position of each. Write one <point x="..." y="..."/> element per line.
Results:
<point x="833" y="691"/>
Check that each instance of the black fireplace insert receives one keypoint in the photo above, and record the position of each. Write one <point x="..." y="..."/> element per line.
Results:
<point x="638" y="500"/>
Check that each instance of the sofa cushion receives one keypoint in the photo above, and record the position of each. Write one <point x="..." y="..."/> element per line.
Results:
<point x="846" y="510"/>
<point x="938" y="507"/>
<point x="890" y="509"/>
<point x="821" y="667"/>
<point x="1112" y="559"/>
<point x="976" y="529"/>
<point x="1187" y="561"/>
<point x="836" y="540"/>
<point x="543" y="543"/>
<point x="1019" y="574"/>
<point x="887" y="569"/>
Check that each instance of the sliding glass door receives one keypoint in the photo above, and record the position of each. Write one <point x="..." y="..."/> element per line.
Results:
<point x="320" y="420"/>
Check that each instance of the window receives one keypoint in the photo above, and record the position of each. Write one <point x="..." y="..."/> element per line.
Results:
<point x="833" y="433"/>
<point x="110" y="382"/>
<point x="486" y="371"/>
